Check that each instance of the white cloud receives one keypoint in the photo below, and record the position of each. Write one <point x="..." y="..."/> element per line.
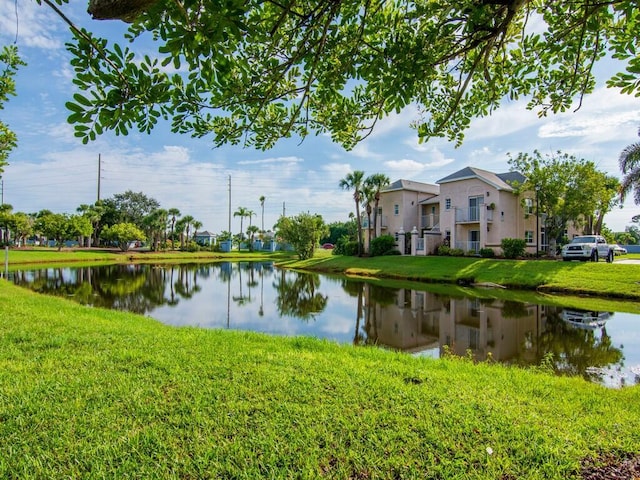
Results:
<point x="363" y="150"/>
<point x="509" y="119"/>
<point x="606" y="116"/>
<point x="337" y="171"/>
<point x="274" y="160"/>
<point x="30" y="25"/>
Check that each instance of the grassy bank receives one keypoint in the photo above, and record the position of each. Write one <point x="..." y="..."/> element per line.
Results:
<point x="18" y="258"/>
<point x="89" y="393"/>
<point x="616" y="280"/>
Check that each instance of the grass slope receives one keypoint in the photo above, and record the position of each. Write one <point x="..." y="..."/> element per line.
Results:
<point x="89" y="393"/>
<point x="615" y="280"/>
<point x="18" y="258"/>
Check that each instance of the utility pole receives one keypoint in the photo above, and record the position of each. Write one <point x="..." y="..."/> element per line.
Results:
<point x="1" y="191"/>
<point x="537" y="222"/>
<point x="99" y="171"/>
<point x="230" y="236"/>
<point x="283" y="210"/>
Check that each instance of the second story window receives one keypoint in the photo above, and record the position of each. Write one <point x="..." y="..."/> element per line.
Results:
<point x="447" y="204"/>
<point x="528" y="206"/>
<point x="396" y="209"/>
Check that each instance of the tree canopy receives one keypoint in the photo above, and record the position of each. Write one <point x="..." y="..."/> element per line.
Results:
<point x="9" y="63"/>
<point x="254" y="71"/>
<point x="630" y="167"/>
<point x="303" y="232"/>
<point x="567" y="189"/>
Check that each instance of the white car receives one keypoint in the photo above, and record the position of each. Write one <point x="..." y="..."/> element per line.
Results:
<point x="588" y="247"/>
<point x="618" y="250"/>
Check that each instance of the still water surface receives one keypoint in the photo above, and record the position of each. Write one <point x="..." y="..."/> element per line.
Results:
<point x="600" y="346"/>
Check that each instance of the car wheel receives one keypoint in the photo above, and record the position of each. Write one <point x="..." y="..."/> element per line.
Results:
<point x="610" y="257"/>
<point x="594" y="256"/>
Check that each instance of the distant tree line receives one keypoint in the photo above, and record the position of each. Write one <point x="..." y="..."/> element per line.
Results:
<point x="117" y="221"/>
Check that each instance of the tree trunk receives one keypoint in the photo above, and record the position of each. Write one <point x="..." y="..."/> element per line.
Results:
<point x="125" y="10"/>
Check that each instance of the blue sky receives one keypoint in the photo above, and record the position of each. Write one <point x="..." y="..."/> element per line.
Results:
<point x="52" y="169"/>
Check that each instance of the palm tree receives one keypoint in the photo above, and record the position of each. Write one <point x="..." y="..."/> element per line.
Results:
<point x="630" y="166"/>
<point x="196" y="226"/>
<point x="181" y="226"/>
<point x="368" y="194"/>
<point x="262" y="199"/>
<point x="188" y="221"/>
<point x="242" y="212"/>
<point x="250" y="213"/>
<point x="155" y="225"/>
<point x="251" y="231"/>
<point x="377" y="181"/>
<point x="353" y="181"/>
<point x="173" y="213"/>
<point x="5" y="221"/>
<point x="94" y="213"/>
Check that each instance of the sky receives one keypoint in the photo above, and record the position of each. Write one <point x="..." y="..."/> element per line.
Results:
<point x="51" y="169"/>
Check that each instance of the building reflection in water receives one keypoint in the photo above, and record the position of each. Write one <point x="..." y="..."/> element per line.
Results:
<point x="507" y="331"/>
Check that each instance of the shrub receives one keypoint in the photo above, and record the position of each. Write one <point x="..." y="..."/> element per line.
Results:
<point x="487" y="253"/>
<point x="381" y="245"/>
<point x="456" y="252"/>
<point x="393" y="251"/>
<point x="344" y="246"/>
<point x="513" y="247"/>
<point x="444" y="250"/>
<point x="191" y="247"/>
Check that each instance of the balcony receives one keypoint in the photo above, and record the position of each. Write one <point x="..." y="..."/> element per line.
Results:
<point x="472" y="215"/>
<point x="429" y="222"/>
<point x="382" y="222"/>
<point x="468" y="246"/>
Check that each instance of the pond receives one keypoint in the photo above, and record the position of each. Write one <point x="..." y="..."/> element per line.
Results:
<point x="603" y="347"/>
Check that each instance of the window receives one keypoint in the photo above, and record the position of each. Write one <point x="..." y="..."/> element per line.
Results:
<point x="528" y="236"/>
<point x="396" y="209"/>
<point x="474" y="207"/>
<point x="447" y="203"/>
<point x="528" y="206"/>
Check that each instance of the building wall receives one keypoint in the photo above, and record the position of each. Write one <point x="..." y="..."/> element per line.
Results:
<point x="408" y="209"/>
<point x="506" y="220"/>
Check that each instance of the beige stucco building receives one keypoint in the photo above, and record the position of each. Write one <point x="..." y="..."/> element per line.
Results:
<point x="400" y="207"/>
<point x="480" y="208"/>
<point x="470" y="209"/>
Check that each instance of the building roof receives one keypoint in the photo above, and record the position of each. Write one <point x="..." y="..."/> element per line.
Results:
<point x="429" y="201"/>
<point x="501" y="181"/>
<point x="413" y="186"/>
<point x="206" y="233"/>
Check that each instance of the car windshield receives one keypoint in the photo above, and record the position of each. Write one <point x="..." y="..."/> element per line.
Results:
<point x="584" y="240"/>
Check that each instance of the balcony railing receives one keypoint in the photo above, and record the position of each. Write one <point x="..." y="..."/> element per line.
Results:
<point x="471" y="215"/>
<point x="382" y="222"/>
<point x="429" y="221"/>
<point x="469" y="246"/>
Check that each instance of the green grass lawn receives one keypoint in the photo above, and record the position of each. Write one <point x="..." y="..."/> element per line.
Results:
<point x="616" y="280"/>
<point x="41" y="255"/>
<point x="90" y="393"/>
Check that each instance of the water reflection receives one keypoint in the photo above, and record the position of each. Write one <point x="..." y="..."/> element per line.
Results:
<point x="259" y="297"/>
<point x="501" y="330"/>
